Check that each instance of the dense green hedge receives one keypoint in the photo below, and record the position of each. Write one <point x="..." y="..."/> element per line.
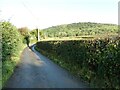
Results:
<point x="96" y="61"/>
<point x="11" y="43"/>
<point x="11" y="40"/>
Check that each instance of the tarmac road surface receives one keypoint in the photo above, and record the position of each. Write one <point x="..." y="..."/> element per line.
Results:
<point x="37" y="71"/>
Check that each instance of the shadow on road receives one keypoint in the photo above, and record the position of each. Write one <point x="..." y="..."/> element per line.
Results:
<point x="37" y="71"/>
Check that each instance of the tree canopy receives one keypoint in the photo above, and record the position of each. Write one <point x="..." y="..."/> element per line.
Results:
<point x="78" y="29"/>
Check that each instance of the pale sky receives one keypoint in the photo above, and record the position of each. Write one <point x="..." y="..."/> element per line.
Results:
<point x="46" y="13"/>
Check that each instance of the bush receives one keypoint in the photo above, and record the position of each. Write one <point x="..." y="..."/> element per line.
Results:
<point x="11" y="43"/>
<point x="11" y="40"/>
<point x="96" y="61"/>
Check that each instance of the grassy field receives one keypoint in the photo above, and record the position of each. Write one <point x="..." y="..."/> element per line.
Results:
<point x="85" y="37"/>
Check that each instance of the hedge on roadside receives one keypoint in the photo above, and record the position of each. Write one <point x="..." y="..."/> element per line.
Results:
<point x="11" y="40"/>
<point x="11" y="47"/>
<point x="96" y="61"/>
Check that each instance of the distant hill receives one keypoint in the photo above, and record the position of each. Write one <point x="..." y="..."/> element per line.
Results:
<point x="79" y="29"/>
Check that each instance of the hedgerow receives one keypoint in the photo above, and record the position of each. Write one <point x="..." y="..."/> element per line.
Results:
<point x="96" y="61"/>
<point x="11" y="49"/>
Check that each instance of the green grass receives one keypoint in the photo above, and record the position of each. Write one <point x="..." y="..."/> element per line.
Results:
<point x="83" y="37"/>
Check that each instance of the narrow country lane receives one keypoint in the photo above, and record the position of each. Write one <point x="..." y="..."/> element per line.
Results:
<point x="37" y="71"/>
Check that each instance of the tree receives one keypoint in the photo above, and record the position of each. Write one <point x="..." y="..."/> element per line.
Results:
<point x="24" y="31"/>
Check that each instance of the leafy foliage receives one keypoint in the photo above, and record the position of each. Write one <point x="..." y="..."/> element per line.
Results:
<point x="97" y="61"/>
<point x="34" y="34"/>
<point x="24" y="31"/>
<point x="11" y="40"/>
<point x="78" y="29"/>
<point x="11" y="43"/>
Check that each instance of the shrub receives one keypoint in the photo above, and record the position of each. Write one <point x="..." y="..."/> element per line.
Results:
<point x="11" y="43"/>
<point x="11" y="40"/>
<point x="96" y="61"/>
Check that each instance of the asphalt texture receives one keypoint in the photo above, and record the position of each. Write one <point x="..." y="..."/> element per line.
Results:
<point x="38" y="71"/>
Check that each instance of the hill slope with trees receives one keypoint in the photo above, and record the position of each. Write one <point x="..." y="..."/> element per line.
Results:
<point x="79" y="29"/>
